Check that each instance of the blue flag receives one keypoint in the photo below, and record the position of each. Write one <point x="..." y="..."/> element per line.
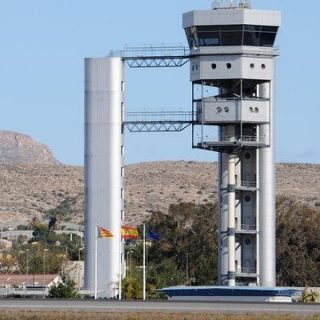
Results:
<point x="153" y="236"/>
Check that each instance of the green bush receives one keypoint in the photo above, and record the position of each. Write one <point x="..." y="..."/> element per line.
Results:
<point x="64" y="289"/>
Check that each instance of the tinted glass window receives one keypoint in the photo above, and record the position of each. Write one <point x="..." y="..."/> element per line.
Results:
<point x="232" y="35"/>
<point x="267" y="39"/>
<point x="269" y="29"/>
<point x="209" y="39"/>
<point x="231" y="38"/>
<point x="251" y="38"/>
<point x="234" y="27"/>
<point x="263" y="36"/>
<point x="252" y="28"/>
<point x="208" y="28"/>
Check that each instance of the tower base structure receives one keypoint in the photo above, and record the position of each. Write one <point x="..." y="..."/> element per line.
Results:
<point x="234" y="294"/>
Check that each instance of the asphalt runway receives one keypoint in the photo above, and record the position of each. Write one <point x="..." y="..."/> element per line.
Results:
<point x="156" y="306"/>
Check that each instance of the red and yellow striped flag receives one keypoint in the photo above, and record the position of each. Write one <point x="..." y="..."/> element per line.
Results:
<point x="104" y="233"/>
<point x="129" y="233"/>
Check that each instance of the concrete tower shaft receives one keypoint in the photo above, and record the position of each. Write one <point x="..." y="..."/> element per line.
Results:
<point x="267" y="195"/>
<point x="104" y="101"/>
<point x="232" y="74"/>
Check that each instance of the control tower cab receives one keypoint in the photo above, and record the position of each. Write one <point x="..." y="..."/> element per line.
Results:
<point x="232" y="73"/>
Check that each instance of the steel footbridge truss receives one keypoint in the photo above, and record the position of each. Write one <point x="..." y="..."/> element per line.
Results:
<point x="158" y="121"/>
<point x="156" y="57"/>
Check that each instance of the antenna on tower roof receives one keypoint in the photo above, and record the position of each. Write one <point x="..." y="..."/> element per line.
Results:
<point x="245" y="4"/>
<point x="230" y="4"/>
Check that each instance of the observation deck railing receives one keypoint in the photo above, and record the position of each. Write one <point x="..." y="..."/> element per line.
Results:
<point x="231" y="144"/>
<point x="234" y="98"/>
<point x="242" y="138"/>
<point x="233" y="139"/>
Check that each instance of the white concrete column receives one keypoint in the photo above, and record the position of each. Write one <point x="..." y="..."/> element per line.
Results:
<point x="267" y="228"/>
<point x="231" y="220"/>
<point x="223" y="214"/>
<point x="231" y="213"/>
<point x="104" y="98"/>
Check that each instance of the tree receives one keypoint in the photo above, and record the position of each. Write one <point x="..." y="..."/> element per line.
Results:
<point x="298" y="244"/>
<point x="186" y="252"/>
<point x="64" y="289"/>
<point x="132" y="287"/>
<point x="31" y="258"/>
<point x="42" y="233"/>
<point x="188" y="238"/>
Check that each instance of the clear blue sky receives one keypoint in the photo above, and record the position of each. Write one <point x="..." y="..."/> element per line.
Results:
<point x="44" y="42"/>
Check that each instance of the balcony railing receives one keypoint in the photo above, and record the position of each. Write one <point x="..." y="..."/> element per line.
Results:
<point x="243" y="138"/>
<point x="233" y="139"/>
<point x="248" y="184"/>
<point x="247" y="227"/>
<point x="233" y="98"/>
<point x="247" y="271"/>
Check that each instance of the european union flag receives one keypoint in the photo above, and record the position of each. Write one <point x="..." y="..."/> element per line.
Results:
<point x="153" y="236"/>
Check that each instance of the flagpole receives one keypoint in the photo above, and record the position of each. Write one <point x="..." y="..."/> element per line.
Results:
<point x="144" y="261"/>
<point x="120" y="268"/>
<point x="96" y="262"/>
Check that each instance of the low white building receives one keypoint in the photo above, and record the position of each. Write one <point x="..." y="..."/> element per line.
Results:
<point x="32" y="284"/>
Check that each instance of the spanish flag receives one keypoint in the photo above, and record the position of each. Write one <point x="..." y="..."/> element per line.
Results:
<point x="104" y="233"/>
<point x="128" y="233"/>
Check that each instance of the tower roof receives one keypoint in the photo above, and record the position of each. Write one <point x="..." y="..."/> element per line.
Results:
<point x="231" y="16"/>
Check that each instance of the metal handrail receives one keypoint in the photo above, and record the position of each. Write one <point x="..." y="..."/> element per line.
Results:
<point x="151" y="51"/>
<point x="225" y="4"/>
<point x="159" y="116"/>
<point x="247" y="227"/>
<point x="260" y="139"/>
<point x="248" y="270"/>
<point x="236" y="98"/>
<point x="248" y="184"/>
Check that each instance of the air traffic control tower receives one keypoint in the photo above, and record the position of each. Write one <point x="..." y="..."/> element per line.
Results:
<point x="232" y="72"/>
<point x="232" y="61"/>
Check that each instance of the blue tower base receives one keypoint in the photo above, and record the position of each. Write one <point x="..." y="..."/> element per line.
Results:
<point x="233" y="294"/>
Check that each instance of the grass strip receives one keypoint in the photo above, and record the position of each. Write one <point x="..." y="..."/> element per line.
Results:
<point x="37" y="315"/>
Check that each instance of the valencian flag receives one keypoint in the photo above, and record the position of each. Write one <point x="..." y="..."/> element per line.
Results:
<point x="129" y="233"/>
<point x="104" y="233"/>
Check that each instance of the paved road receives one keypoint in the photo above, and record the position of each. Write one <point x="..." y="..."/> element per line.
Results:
<point x="156" y="306"/>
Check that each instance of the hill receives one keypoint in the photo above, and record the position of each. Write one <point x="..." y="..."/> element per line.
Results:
<point x="29" y="190"/>
<point x="17" y="148"/>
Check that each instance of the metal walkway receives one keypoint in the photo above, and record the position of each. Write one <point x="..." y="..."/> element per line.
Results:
<point x="153" y="56"/>
<point x="158" y="121"/>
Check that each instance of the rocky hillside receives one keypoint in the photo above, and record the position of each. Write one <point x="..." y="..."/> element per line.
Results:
<point x="34" y="184"/>
<point x="33" y="190"/>
<point x="37" y="190"/>
<point x="17" y="148"/>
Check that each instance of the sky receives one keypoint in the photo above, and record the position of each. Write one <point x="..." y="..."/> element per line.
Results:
<point x="44" y="43"/>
